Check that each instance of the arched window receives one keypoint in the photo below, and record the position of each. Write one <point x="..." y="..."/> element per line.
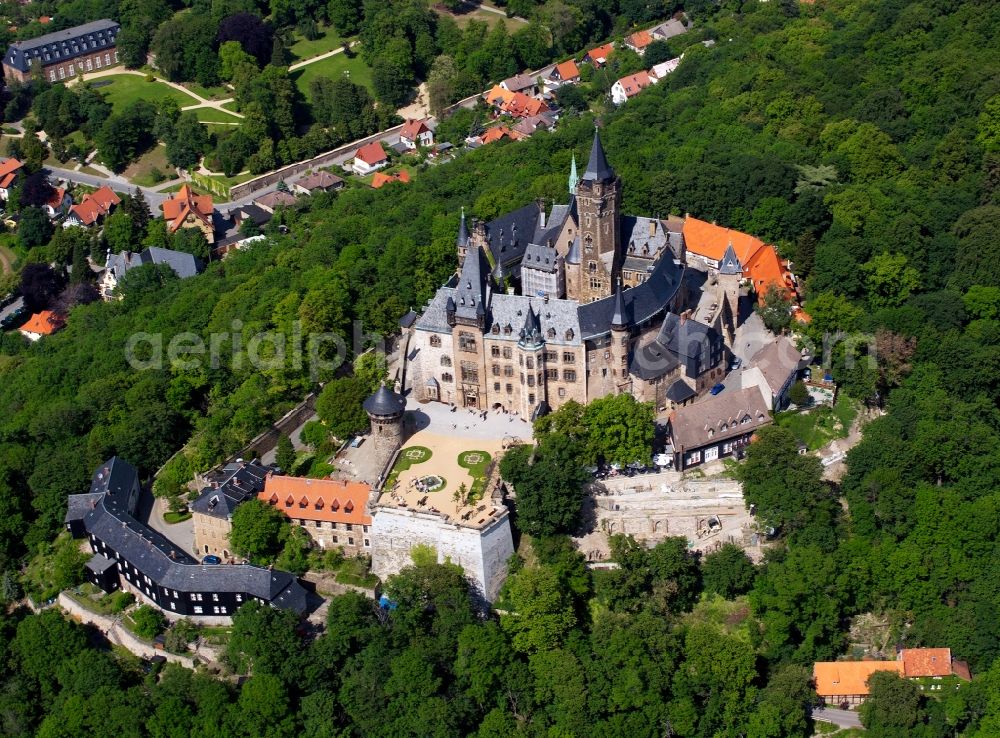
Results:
<point x="446" y="377"/>
<point x="436" y="341"/>
<point x="445" y="361"/>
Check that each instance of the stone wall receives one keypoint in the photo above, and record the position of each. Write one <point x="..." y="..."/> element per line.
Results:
<point x="481" y="552"/>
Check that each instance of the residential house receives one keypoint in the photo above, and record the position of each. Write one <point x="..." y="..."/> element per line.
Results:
<point x="131" y="556"/>
<point x="250" y="213"/>
<point x="662" y="69"/>
<point x="185" y="209"/>
<point x="773" y="370"/>
<point x="757" y="262"/>
<point x="94" y="207"/>
<point x="41" y="324"/>
<point x="273" y="200"/>
<point x="184" y="265"/>
<point x="369" y="158"/>
<point x="321" y="181"/>
<point x="212" y="512"/>
<point x="10" y="172"/>
<point x="716" y="427"/>
<point x="498" y="96"/>
<point x="64" y="54"/>
<point x="495" y="133"/>
<point x="638" y="41"/>
<point x="599" y="56"/>
<point x="416" y="133"/>
<point x="533" y="123"/>
<point x="381" y="178"/>
<point x="630" y="86"/>
<point x="566" y="72"/>
<point x="524" y="83"/>
<point x="332" y="512"/>
<point x="522" y="106"/>
<point x="668" y="30"/>
<point x="58" y="204"/>
<point x="846" y="682"/>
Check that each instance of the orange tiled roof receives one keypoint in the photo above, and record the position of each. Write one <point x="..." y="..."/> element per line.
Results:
<point x="710" y="240"/>
<point x="635" y="83"/>
<point x="372" y="153"/>
<point x="44" y="323"/>
<point x="765" y="269"/>
<point x="328" y="500"/>
<point x="495" y="134"/>
<point x="926" y="662"/>
<point x="105" y="197"/>
<point x="639" y="39"/>
<point x="381" y="178"/>
<point x="497" y="95"/>
<point x="183" y="203"/>
<point x="10" y="166"/>
<point x="57" y="197"/>
<point x="601" y="53"/>
<point x="412" y="129"/>
<point x="568" y="70"/>
<point x="843" y="678"/>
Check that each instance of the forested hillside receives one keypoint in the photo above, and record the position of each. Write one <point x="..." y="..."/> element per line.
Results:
<point x="863" y="139"/>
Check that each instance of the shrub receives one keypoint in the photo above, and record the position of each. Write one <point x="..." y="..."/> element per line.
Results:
<point x="119" y="600"/>
<point x="179" y="635"/>
<point x="149" y="622"/>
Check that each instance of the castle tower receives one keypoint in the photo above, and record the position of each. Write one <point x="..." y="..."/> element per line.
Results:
<point x="598" y="201"/>
<point x="530" y="347"/>
<point x="462" y="241"/>
<point x="385" y="411"/>
<point x="730" y="276"/>
<point x="620" y="334"/>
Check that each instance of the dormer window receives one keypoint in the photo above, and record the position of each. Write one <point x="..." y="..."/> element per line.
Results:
<point x="289" y="501"/>
<point x="304" y="502"/>
<point x="335" y="505"/>
<point x="349" y="507"/>
<point x="274" y="499"/>
<point x="319" y="504"/>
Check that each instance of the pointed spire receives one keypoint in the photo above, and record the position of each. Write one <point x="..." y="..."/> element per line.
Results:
<point x="730" y="263"/>
<point x="573" y="177"/>
<point x="619" y="321"/>
<point x="463" y="232"/>
<point x="598" y="169"/>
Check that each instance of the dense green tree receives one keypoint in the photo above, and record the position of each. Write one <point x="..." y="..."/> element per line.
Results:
<point x="339" y="406"/>
<point x="256" y="532"/>
<point x="728" y="571"/>
<point x="548" y="480"/>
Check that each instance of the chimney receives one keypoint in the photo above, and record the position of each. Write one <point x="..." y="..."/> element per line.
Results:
<point x="546" y="299"/>
<point x="652" y="227"/>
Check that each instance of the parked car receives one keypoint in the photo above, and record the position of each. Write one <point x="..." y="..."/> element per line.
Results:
<point x="717" y="389"/>
<point x="211" y="559"/>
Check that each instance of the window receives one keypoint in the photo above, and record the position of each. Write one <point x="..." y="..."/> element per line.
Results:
<point x="592" y="267"/>
<point x="445" y="361"/>
<point x="367" y="543"/>
<point x="562" y="391"/>
<point x="569" y="375"/>
<point x="495" y="351"/>
<point x="72" y="70"/>
<point x="470" y="372"/>
<point x="239" y="598"/>
<point x="466" y="342"/>
<point x="496" y="386"/>
<point x="335" y="539"/>
<point x="107" y="58"/>
<point x="173" y="605"/>
<point x="215" y="598"/>
<point x="552" y="374"/>
<point x="197" y="609"/>
<point x="530" y="363"/>
<point x="319" y="523"/>
<point x="694" y="457"/>
<point x="435" y="340"/>
<point x="508" y="352"/>
<point x="508" y="371"/>
<point x="595" y="284"/>
<point x="568" y="358"/>
<point x="350" y="526"/>
<point x="551" y="357"/>
<point x="531" y="380"/>
<point x="89" y="65"/>
<point x="446" y="377"/>
<point x="531" y="399"/>
<point x="97" y="62"/>
<point x="350" y="541"/>
<point x="364" y="528"/>
<point x="496" y="370"/>
<point x="510" y="388"/>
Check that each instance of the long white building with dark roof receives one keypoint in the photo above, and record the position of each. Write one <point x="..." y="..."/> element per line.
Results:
<point x="64" y="54"/>
<point x="573" y="304"/>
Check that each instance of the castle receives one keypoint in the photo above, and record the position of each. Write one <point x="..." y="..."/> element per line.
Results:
<point x="574" y="305"/>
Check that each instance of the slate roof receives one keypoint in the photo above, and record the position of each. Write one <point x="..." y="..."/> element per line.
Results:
<point x="558" y="322"/>
<point x="540" y="258"/>
<point x="509" y="235"/>
<point x="61" y="46"/>
<point x="669" y="29"/>
<point x="518" y="82"/>
<point x="384" y="402"/>
<point x="637" y="239"/>
<point x="643" y="301"/>
<point x="183" y="264"/>
<point x="776" y="362"/>
<point x="155" y="556"/>
<point x="680" y="391"/>
<point x="730" y="263"/>
<point x="100" y="563"/>
<point x="236" y="483"/>
<point x="598" y="169"/>
<point x="79" y="505"/>
<point x="695" y="344"/>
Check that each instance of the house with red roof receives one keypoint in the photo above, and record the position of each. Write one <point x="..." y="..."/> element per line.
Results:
<point x="58" y="204"/>
<point x="638" y="41"/>
<point x="369" y="158"/>
<point x="566" y="73"/>
<point x="498" y="96"/>
<point x="10" y="171"/>
<point x="381" y="178"/>
<point x="599" y="56"/>
<point x="185" y="209"/>
<point x="333" y="512"/>
<point x="416" y="133"/>
<point x="522" y="106"/>
<point x="93" y="208"/>
<point x="630" y="86"/>
<point x="41" y="324"/>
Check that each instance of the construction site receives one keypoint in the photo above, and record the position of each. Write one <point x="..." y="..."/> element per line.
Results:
<point x="708" y="512"/>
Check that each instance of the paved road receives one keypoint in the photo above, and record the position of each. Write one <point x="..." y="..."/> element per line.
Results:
<point x="118" y="184"/>
<point x="841" y="718"/>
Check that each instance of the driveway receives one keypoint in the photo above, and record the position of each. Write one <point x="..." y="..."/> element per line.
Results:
<point x="150" y="511"/>
<point x="840" y="718"/>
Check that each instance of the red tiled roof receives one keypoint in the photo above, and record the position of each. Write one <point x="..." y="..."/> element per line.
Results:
<point x="183" y="203"/>
<point x="371" y="154"/>
<point x="412" y="129"/>
<point x="522" y="106"/>
<point x="635" y="83"/>
<point x="87" y="211"/>
<point x="105" y="197"/>
<point x="926" y="662"/>
<point x="44" y="323"/>
<point x="328" y="500"/>
<point x="495" y="134"/>
<point x="568" y="70"/>
<point x="846" y="678"/>
<point x="639" y="39"/>
<point x="57" y="197"/>
<point x="382" y="178"/>
<point x="9" y="166"/>
<point x="601" y="53"/>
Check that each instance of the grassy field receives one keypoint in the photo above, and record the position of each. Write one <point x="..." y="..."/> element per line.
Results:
<point x="476" y="462"/>
<point x="306" y="49"/>
<point x="213" y="115"/>
<point x="209" y="93"/>
<point x="127" y="88"/>
<point x="483" y="16"/>
<point x="333" y="67"/>
<point x="141" y="171"/>
<point x="819" y="426"/>
<point x="231" y="105"/>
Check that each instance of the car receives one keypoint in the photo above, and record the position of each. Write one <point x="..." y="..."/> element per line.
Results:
<point x="211" y="559"/>
<point x="717" y="389"/>
<point x="358" y="440"/>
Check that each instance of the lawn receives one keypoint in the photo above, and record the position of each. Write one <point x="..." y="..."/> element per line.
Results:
<point x="333" y="67"/>
<point x="477" y="462"/>
<point x="306" y="49"/>
<point x="214" y="115"/>
<point x="171" y="518"/>
<point x="209" y="93"/>
<point x="817" y="427"/>
<point x="127" y="88"/>
<point x="483" y="16"/>
<point x="407" y="457"/>
<point x="141" y="171"/>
